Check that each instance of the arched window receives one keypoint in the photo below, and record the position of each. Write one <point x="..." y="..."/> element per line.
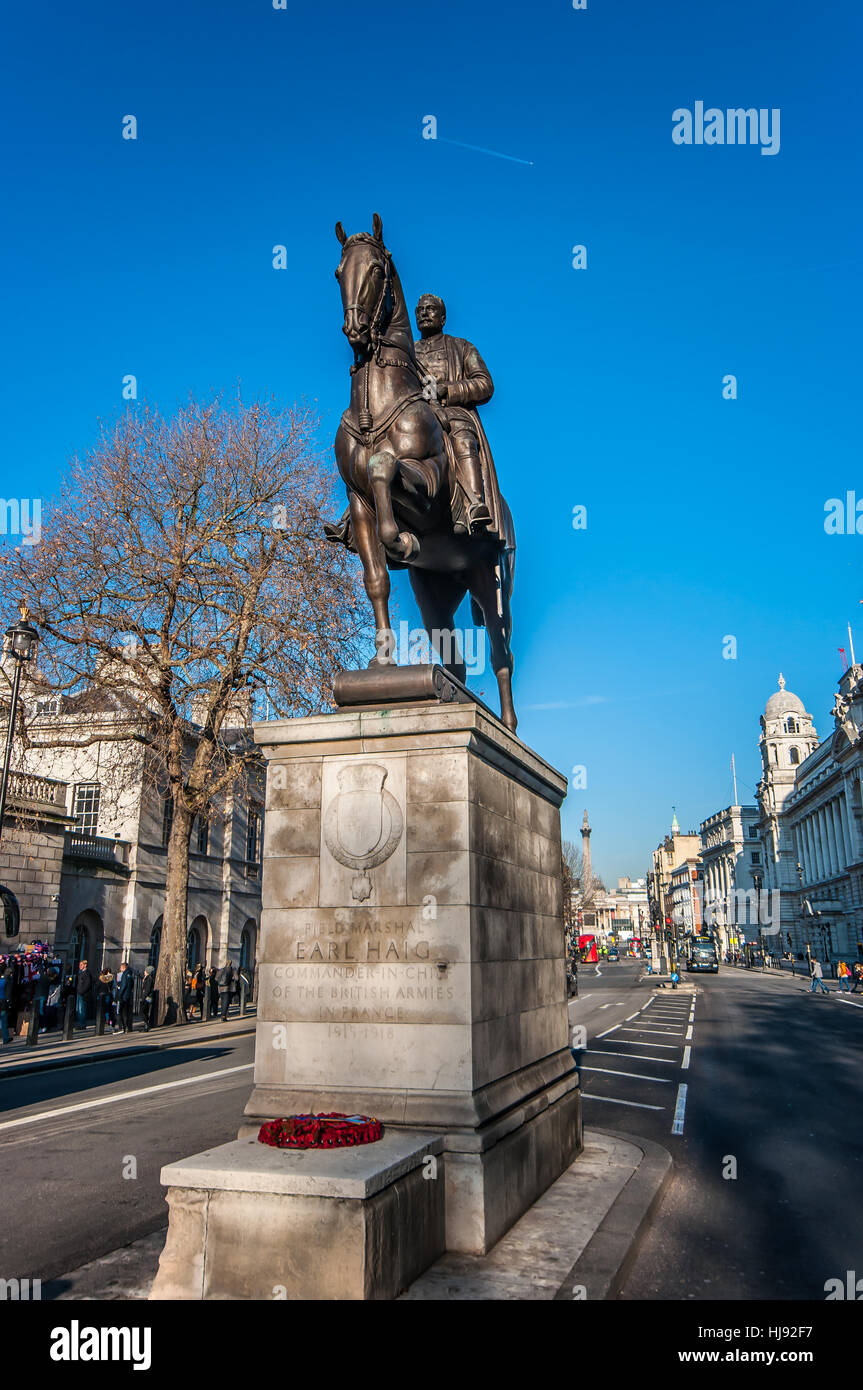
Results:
<point x="791" y="725"/>
<point x="794" y="755"/>
<point x="155" y="944"/>
<point x="11" y="912"/>
<point x="773" y="757"/>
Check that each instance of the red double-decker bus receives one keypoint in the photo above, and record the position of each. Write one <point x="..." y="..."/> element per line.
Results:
<point x="587" y="950"/>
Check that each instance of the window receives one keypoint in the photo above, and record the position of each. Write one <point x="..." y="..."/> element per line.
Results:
<point x="253" y="837"/>
<point x="773" y="757"/>
<point x="11" y="911"/>
<point x="753" y="832"/>
<point x="167" y="819"/>
<point x="202" y="827"/>
<point x="794" y="755"/>
<point x="791" y="726"/>
<point x="155" y="944"/>
<point x="85" y="808"/>
<point x="755" y="857"/>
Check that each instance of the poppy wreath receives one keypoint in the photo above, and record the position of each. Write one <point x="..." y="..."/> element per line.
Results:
<point x="333" y="1131"/>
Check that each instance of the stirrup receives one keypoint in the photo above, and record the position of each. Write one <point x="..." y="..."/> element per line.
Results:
<point x="479" y="516"/>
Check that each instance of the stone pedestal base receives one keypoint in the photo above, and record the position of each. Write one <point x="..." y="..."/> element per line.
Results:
<point x="251" y="1222"/>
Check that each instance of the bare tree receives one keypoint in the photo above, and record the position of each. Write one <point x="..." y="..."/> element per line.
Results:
<point x="182" y="571"/>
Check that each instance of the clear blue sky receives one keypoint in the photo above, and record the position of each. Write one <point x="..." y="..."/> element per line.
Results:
<point x="705" y="517"/>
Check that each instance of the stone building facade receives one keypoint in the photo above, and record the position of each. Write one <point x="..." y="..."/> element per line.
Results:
<point x="95" y="857"/>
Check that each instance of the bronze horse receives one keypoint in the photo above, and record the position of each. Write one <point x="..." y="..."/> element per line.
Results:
<point x="393" y="454"/>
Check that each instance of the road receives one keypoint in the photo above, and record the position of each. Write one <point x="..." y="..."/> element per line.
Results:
<point x="773" y="1093"/>
<point x="82" y="1183"/>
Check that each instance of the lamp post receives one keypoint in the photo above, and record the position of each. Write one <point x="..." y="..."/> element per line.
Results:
<point x="19" y="642"/>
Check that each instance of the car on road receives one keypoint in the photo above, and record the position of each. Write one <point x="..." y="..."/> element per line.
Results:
<point x="613" y="953"/>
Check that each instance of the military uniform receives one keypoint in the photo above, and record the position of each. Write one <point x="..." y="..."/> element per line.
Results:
<point x="456" y="362"/>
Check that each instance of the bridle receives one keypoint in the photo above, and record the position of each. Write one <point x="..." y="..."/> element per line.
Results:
<point x="377" y="340"/>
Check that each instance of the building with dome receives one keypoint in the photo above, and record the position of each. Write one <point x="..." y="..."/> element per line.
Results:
<point x="789" y="870"/>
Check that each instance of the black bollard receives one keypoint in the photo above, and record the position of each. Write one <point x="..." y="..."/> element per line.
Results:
<point x="242" y="999"/>
<point x="32" y="1024"/>
<point x="154" y="1009"/>
<point x="69" y="1019"/>
<point x="100" y="1019"/>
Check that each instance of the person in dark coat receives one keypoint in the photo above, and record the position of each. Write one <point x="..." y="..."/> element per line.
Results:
<point x="147" y="987"/>
<point x="84" y="993"/>
<point x="40" y="994"/>
<point x="125" y="992"/>
<point x="213" y="987"/>
<point x="225" y="981"/>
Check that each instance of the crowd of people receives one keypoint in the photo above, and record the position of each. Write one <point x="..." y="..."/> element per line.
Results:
<point x="34" y="974"/>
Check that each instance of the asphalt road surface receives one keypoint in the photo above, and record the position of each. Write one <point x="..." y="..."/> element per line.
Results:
<point x="773" y="1093"/>
<point x="82" y="1183"/>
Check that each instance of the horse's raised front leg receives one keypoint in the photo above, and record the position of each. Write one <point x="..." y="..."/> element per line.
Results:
<point x="376" y="580"/>
<point x="402" y="545"/>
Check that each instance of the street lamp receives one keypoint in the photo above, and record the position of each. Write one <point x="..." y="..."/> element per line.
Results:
<point x="19" y="642"/>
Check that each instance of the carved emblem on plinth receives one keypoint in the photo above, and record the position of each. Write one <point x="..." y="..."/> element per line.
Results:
<point x="363" y="823"/>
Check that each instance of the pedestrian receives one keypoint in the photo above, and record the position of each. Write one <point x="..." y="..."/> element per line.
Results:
<point x="199" y="985"/>
<point x="147" y="987"/>
<point x="105" y="997"/>
<point x="225" y="981"/>
<point x="858" y="976"/>
<point x="84" y="993"/>
<point x="213" y="987"/>
<point x="125" y="988"/>
<point x="41" y="991"/>
<point x="817" y="977"/>
<point x="843" y="970"/>
<point x="4" y="1020"/>
<point x="52" y="1006"/>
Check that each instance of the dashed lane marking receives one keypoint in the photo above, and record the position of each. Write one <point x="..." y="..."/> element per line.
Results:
<point x="609" y="1100"/>
<point x="679" y="1109"/>
<point x="608" y="1030"/>
<point x="124" y="1095"/>
<point x="636" y="1056"/>
<point x="666" y="1032"/>
<point x="689" y="1033"/>
<point x="631" y="1042"/>
<point x="687" y="1053"/>
<point x="852" y="1002"/>
<point x="636" y="1075"/>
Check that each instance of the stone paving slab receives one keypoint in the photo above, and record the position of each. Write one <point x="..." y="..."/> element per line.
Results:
<point x="539" y="1256"/>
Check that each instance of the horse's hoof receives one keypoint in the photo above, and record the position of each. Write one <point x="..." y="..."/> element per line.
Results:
<point x="407" y="546"/>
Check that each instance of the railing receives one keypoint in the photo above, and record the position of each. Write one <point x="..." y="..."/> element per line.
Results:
<point x="26" y="786"/>
<point x="95" y="847"/>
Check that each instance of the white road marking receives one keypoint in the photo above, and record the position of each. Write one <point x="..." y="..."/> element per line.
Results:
<point x="608" y="1030"/>
<point x="635" y="1015"/>
<point x="853" y="1004"/>
<point x="609" y="1100"/>
<point x="633" y="1042"/>
<point x="666" y="1032"/>
<point x="679" y="1109"/>
<point x="636" y="1056"/>
<point x="684" y="1065"/>
<point x="124" y="1095"/>
<point x="605" y="1006"/>
<point x="689" y="1033"/>
<point x="637" y="1075"/>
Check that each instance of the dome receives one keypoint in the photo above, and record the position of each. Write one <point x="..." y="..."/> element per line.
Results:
<point x="783" y="702"/>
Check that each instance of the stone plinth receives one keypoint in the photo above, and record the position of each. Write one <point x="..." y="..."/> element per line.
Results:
<point x="252" y="1222"/>
<point x="411" y="961"/>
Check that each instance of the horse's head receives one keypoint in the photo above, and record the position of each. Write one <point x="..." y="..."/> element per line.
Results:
<point x="365" y="279"/>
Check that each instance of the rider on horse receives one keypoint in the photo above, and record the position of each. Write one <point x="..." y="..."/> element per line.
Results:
<point x="457" y="379"/>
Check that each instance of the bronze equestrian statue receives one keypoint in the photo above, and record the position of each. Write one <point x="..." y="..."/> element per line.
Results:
<point x="422" y="488"/>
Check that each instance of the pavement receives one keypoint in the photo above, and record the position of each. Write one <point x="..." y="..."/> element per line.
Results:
<point x="52" y="1051"/>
